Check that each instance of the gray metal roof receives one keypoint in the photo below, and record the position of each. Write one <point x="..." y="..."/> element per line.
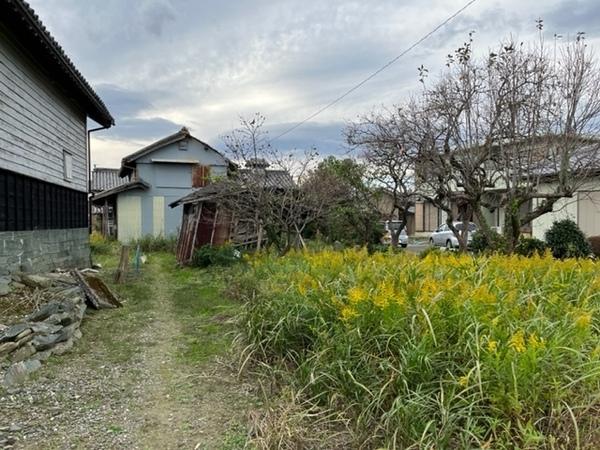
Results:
<point x="104" y="179"/>
<point x="137" y="184"/>
<point x="22" y="20"/>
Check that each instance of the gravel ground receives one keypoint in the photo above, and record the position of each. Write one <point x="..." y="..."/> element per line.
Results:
<point x="124" y="385"/>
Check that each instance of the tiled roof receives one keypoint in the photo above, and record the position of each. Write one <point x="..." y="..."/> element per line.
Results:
<point x="19" y="17"/>
<point x="268" y="178"/>
<point x="104" y="179"/>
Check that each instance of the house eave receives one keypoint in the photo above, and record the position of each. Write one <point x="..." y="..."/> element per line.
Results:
<point x="21" y="21"/>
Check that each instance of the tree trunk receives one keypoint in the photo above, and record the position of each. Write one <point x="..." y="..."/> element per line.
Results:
<point x="512" y="227"/>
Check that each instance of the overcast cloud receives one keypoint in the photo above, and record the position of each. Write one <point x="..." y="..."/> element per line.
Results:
<point x="161" y="64"/>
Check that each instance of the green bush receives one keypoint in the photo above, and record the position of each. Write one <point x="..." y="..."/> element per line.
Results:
<point x="530" y="247"/>
<point x="100" y="245"/>
<point x="566" y="240"/>
<point x="481" y="243"/>
<point x="207" y="255"/>
<point x="595" y="245"/>
<point x="150" y="243"/>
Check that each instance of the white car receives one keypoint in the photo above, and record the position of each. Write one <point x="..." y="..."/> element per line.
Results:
<point x="403" y="238"/>
<point x="393" y="225"/>
<point x="444" y="237"/>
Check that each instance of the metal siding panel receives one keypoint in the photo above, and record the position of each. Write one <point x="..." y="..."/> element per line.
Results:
<point x="129" y="217"/>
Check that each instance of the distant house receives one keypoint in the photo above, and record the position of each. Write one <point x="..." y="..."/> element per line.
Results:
<point x="390" y="216"/>
<point x="44" y="165"/>
<point x="155" y="176"/>
<point x="583" y="208"/>
<point x="103" y="216"/>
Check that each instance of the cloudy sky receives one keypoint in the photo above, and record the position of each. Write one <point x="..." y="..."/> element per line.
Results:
<point x="161" y="64"/>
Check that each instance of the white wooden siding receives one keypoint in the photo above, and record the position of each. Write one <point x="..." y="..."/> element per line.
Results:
<point x="37" y="123"/>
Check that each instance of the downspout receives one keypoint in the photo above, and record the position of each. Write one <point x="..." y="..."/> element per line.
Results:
<point x="89" y="174"/>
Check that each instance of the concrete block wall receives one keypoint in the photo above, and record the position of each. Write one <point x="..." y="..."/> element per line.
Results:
<point x="43" y="250"/>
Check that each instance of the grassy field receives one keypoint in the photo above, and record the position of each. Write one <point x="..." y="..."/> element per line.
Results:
<point x="448" y="351"/>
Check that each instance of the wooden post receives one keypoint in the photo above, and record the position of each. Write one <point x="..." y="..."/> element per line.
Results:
<point x="259" y="238"/>
<point x="212" y="234"/>
<point x="121" y="273"/>
<point x="104" y="225"/>
<point x="195" y="232"/>
<point x="300" y="237"/>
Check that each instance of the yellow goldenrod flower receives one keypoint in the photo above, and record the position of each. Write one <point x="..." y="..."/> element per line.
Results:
<point x="492" y="346"/>
<point x="348" y="313"/>
<point x="517" y="342"/>
<point x="583" y="320"/>
<point x="464" y="380"/>
<point x="357" y="294"/>
<point x="534" y="342"/>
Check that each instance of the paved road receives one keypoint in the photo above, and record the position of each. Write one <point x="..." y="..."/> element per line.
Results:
<point x="417" y="247"/>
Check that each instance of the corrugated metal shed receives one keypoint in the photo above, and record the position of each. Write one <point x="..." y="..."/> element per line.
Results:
<point x="104" y="179"/>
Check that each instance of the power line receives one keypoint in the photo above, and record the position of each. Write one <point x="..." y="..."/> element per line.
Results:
<point x="374" y="74"/>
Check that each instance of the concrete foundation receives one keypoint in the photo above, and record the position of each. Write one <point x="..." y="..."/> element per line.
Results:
<point x="43" y="250"/>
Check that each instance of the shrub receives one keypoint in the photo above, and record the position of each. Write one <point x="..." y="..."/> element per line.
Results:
<point x="207" y="255"/>
<point x="595" y="245"/>
<point x="150" y="243"/>
<point x="530" y="247"/>
<point x="440" y="352"/>
<point x="481" y="243"/>
<point x="566" y="240"/>
<point x="430" y="250"/>
<point x="99" y="244"/>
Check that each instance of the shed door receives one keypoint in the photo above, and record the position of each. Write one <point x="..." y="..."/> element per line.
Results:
<point x="588" y="211"/>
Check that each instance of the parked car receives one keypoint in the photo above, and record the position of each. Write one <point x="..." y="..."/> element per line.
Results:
<point x="393" y="225"/>
<point x="444" y="237"/>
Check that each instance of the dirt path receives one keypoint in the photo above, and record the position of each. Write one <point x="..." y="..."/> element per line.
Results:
<point x="153" y="375"/>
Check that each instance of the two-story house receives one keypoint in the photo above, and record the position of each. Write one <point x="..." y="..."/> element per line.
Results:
<point x="158" y="175"/>
<point x="44" y="161"/>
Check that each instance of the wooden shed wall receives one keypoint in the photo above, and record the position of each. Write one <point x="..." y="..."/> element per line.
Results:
<point x="202" y="224"/>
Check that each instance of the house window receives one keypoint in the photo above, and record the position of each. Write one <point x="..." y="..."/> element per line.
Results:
<point x="67" y="165"/>
<point x="200" y="175"/>
<point x="183" y="145"/>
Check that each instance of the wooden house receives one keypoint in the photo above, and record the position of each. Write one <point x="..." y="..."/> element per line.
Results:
<point x="44" y="155"/>
<point x="155" y="176"/>
<point x="104" y="215"/>
<point x="207" y="219"/>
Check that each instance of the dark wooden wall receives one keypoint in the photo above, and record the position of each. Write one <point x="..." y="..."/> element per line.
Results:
<point x="30" y="204"/>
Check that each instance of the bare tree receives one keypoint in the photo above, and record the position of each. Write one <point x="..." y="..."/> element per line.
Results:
<point x="545" y="139"/>
<point x="381" y="140"/>
<point x="267" y="190"/>
<point x="515" y="130"/>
